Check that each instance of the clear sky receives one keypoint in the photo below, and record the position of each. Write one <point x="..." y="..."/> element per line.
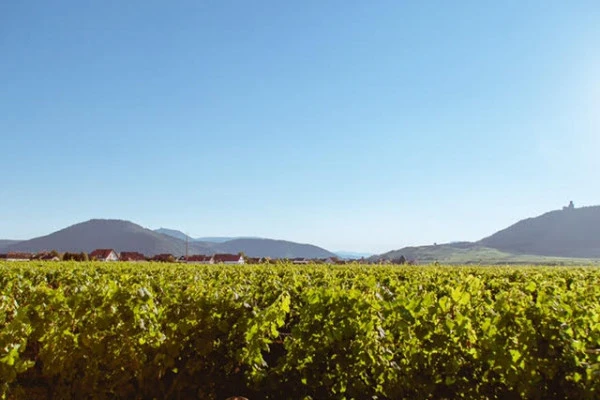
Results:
<point x="355" y="125"/>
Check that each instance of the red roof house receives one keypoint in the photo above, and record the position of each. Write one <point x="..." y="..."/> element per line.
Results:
<point x="104" y="255"/>
<point x="228" y="259"/>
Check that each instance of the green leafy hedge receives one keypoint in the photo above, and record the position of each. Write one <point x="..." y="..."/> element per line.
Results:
<point x="98" y="331"/>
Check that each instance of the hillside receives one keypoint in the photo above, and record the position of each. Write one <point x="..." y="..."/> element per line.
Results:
<point x="273" y="248"/>
<point x="174" y="233"/>
<point x="211" y="239"/>
<point x="127" y="236"/>
<point x="105" y="233"/>
<point x="256" y="247"/>
<point x="571" y="232"/>
<point x="567" y="236"/>
<point x="6" y="243"/>
<point x="471" y="253"/>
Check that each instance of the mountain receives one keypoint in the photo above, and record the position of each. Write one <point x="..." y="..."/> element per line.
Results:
<point x="106" y="233"/>
<point x="350" y="255"/>
<point x="567" y="236"/>
<point x="570" y="232"/>
<point x="222" y="239"/>
<point x="174" y="233"/>
<point x="212" y="239"/>
<point x="471" y="253"/>
<point x="256" y="247"/>
<point x="127" y="236"/>
<point x="273" y="248"/>
<point x="6" y="243"/>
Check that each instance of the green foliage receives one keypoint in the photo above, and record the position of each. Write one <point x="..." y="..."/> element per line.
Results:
<point x="72" y="330"/>
<point x="75" y="256"/>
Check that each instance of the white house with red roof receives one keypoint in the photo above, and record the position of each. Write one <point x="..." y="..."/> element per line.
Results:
<point x="104" y="255"/>
<point x="228" y="259"/>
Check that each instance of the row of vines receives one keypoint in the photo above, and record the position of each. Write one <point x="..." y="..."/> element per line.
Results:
<point x="98" y="331"/>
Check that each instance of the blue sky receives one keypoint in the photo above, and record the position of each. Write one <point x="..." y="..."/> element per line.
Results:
<point x="356" y="125"/>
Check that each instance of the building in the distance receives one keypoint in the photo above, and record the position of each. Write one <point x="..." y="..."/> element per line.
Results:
<point x="228" y="259"/>
<point x="104" y="255"/>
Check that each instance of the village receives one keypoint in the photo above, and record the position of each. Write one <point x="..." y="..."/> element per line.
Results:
<point x="111" y="255"/>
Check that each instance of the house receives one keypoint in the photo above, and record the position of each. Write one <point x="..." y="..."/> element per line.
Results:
<point x="198" y="259"/>
<point x="131" y="256"/>
<point x="228" y="259"/>
<point x="104" y="255"/>
<point x="300" y="261"/>
<point x="19" y="256"/>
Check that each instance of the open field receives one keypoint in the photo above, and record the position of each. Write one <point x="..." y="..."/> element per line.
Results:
<point x="99" y="330"/>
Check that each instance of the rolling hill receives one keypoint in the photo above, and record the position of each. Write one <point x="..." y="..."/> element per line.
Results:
<point x="273" y="248"/>
<point x="174" y="233"/>
<point x="475" y="254"/>
<point x="257" y="247"/>
<point x="104" y="233"/>
<point x="571" y="232"/>
<point x="211" y="239"/>
<point x="126" y="236"/>
<point x="567" y="236"/>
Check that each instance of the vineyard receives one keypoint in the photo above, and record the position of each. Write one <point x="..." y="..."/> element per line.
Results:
<point x="103" y="331"/>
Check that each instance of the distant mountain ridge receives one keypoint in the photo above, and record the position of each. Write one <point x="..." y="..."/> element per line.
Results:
<point x="556" y="236"/>
<point x="570" y="233"/>
<point x="101" y="233"/>
<point x="123" y="235"/>
<point x="256" y="247"/>
<point x="5" y="243"/>
<point x="211" y="239"/>
<point x="174" y="233"/>
<point x="351" y="255"/>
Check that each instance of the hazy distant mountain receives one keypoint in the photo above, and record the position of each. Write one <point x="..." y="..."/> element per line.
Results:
<point x="571" y="232"/>
<point x="350" y="255"/>
<point x="127" y="236"/>
<point x="562" y="236"/>
<point x="256" y="247"/>
<point x="212" y="239"/>
<point x="6" y="243"/>
<point x="174" y="233"/>
<point x="222" y="239"/>
<point x="273" y="248"/>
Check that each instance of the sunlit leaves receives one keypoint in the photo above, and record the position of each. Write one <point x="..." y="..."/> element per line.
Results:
<point x="281" y="331"/>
